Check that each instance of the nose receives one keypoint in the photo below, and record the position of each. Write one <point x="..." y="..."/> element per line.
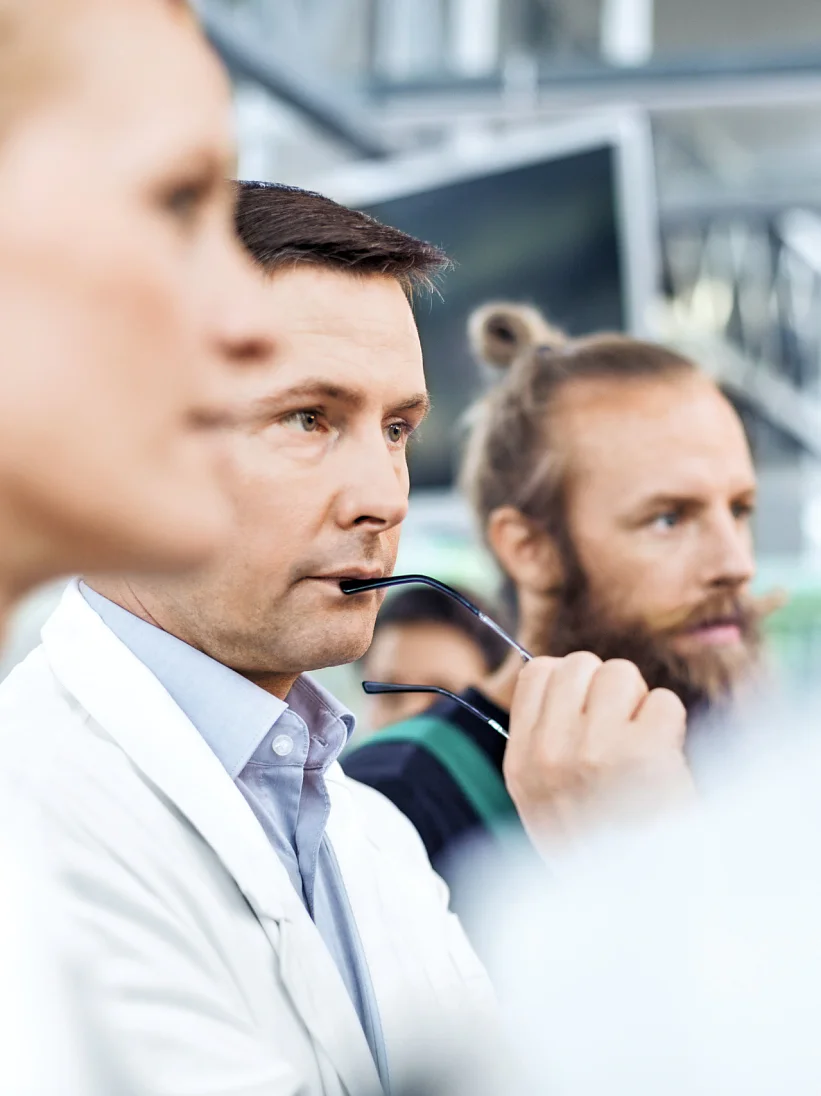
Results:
<point x="373" y="492"/>
<point x="242" y="330"/>
<point x="730" y="559"/>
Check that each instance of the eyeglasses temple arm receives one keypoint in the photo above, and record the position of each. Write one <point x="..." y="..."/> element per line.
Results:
<point x="356" y="587"/>
<point x="375" y="687"/>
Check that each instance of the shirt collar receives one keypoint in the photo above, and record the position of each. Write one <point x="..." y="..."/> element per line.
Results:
<point x="330" y="723"/>
<point x="231" y="713"/>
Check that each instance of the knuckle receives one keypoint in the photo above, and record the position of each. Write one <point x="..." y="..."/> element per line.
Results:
<point x="670" y="704"/>
<point x="625" y="670"/>
<point x="582" y="660"/>
<point x="537" y="669"/>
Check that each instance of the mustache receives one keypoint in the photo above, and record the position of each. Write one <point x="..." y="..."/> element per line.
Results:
<point x="746" y="610"/>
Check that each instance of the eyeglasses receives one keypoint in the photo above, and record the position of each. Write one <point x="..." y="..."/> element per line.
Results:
<point x="353" y="586"/>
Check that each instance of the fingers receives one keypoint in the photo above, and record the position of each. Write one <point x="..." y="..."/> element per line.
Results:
<point x="566" y="695"/>
<point x="549" y="696"/>
<point x="587" y="739"/>
<point x="616" y="692"/>
<point x="528" y="698"/>
<point x="663" y="714"/>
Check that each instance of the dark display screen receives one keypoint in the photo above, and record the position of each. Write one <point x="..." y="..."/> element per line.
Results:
<point x="546" y="233"/>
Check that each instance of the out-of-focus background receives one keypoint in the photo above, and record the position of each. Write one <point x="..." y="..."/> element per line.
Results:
<point x="651" y="165"/>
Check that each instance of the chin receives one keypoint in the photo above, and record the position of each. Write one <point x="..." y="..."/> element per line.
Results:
<point x="338" y="650"/>
<point x="136" y="534"/>
<point x="179" y="542"/>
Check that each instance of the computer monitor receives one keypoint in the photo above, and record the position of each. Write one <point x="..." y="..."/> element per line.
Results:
<point x="563" y="217"/>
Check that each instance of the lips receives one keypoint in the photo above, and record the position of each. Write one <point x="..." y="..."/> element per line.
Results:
<point x="716" y="632"/>
<point x="352" y="575"/>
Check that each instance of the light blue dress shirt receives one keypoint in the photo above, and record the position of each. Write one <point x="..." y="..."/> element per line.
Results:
<point x="277" y="754"/>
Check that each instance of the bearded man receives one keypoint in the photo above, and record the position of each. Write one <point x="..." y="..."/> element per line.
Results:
<point x="613" y="483"/>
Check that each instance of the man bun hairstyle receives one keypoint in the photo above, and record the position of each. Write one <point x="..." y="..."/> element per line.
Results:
<point x="502" y="331"/>
<point x="284" y="226"/>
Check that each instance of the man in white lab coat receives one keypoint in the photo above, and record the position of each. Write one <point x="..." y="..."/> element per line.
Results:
<point x="252" y="922"/>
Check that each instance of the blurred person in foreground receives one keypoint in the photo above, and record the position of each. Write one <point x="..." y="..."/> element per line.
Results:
<point x="613" y="483"/>
<point x="259" y="923"/>
<point x="127" y="307"/>
<point x="421" y="635"/>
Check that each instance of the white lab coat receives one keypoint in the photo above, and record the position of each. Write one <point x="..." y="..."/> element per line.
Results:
<point x="46" y="1049"/>
<point x="196" y="948"/>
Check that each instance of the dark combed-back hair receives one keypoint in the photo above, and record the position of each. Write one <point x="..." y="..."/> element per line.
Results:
<point x="284" y="226"/>
<point x="425" y="605"/>
<point x="511" y="457"/>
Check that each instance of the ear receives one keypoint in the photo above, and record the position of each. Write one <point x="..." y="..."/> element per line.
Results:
<point x="525" y="552"/>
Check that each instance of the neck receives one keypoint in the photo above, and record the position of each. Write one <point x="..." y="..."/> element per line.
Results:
<point x="536" y="618"/>
<point x="7" y="601"/>
<point x="278" y="685"/>
<point x="28" y="559"/>
<point x="128" y="597"/>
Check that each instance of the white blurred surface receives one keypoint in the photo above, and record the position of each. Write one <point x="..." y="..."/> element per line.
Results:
<point x="684" y="960"/>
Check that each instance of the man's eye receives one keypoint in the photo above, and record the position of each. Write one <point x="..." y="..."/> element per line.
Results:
<point x="398" y="432"/>
<point x="304" y="420"/>
<point x="185" y="202"/>
<point x="742" y="510"/>
<point x="667" y="520"/>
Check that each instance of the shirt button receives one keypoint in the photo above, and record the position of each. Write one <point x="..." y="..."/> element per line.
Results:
<point x="282" y="745"/>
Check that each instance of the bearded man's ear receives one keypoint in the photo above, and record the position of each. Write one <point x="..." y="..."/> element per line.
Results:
<point x="526" y="553"/>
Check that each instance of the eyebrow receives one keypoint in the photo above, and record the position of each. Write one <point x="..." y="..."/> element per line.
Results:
<point x="317" y="390"/>
<point x="685" y="499"/>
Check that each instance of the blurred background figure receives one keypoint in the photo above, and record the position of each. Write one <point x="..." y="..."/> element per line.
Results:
<point x="423" y="637"/>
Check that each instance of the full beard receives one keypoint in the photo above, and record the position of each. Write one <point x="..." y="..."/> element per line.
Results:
<point x="704" y="680"/>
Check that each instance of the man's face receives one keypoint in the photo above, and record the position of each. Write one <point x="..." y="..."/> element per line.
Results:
<point x="125" y="294"/>
<point x="322" y="482"/>
<point x="659" y="552"/>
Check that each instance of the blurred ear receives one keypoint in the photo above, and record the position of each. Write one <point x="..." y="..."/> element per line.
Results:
<point x="526" y="553"/>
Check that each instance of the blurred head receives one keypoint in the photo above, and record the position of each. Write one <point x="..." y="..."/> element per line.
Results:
<point x="423" y="637"/>
<point x="614" y="485"/>
<point x="127" y="301"/>
<point x="322" y="477"/>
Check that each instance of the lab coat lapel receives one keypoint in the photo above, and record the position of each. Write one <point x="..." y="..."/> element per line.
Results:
<point x="125" y="698"/>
